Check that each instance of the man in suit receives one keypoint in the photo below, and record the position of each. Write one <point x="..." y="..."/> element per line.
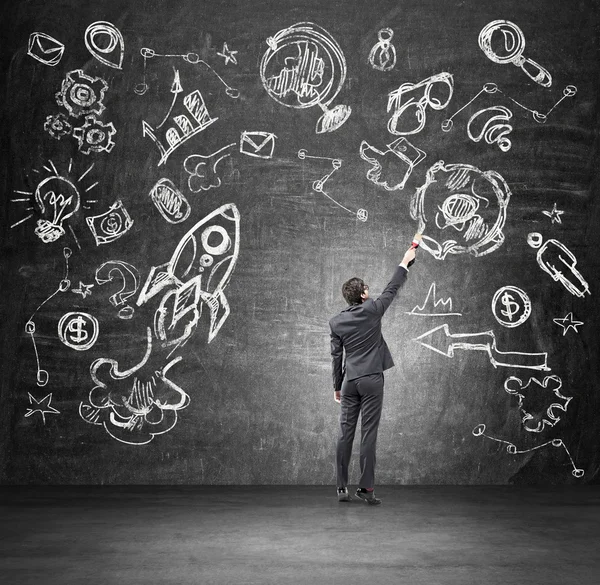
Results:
<point x="358" y="375"/>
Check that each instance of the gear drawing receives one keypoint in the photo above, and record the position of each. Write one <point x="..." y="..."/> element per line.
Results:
<point x="95" y="135"/>
<point x="58" y="126"/>
<point x="81" y="94"/>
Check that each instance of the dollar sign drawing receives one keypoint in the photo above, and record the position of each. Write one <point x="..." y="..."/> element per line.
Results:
<point x="76" y="329"/>
<point x="508" y="301"/>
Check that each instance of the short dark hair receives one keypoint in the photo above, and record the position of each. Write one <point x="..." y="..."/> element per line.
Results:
<point x="352" y="290"/>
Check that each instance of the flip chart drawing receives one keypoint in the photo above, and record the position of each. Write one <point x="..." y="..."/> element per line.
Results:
<point x="440" y="340"/>
<point x="511" y="306"/>
<point x="42" y="376"/>
<point x="463" y="209"/>
<point x="554" y="258"/>
<point x="192" y="58"/>
<point x="42" y="406"/>
<point x="410" y="101"/>
<point x="568" y="322"/>
<point x="304" y="66"/>
<point x="383" y="54"/>
<point x="105" y="42"/>
<point x="318" y="186"/>
<point x="202" y="169"/>
<point x="503" y="42"/>
<point x="433" y="307"/>
<point x="396" y="164"/>
<point x="532" y="421"/>
<point x="479" y="431"/>
<point x="188" y="119"/>
<point x="45" y="49"/>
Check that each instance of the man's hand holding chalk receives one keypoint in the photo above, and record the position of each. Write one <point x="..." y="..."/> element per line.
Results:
<point x="409" y="257"/>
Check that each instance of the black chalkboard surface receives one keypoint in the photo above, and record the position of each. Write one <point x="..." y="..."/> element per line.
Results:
<point x="186" y="186"/>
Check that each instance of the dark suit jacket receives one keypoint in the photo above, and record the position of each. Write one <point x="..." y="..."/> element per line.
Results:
<point x="357" y="331"/>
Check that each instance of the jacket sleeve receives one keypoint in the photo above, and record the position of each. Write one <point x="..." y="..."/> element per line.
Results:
<point x="391" y="290"/>
<point x="337" y="357"/>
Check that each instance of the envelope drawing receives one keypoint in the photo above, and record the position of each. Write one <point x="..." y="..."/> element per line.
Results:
<point x="257" y="144"/>
<point x="45" y="49"/>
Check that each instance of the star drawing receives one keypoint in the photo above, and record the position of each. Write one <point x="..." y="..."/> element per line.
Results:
<point x="228" y="54"/>
<point x="554" y="214"/>
<point x="567" y="322"/>
<point x="42" y="406"/>
<point x="83" y="290"/>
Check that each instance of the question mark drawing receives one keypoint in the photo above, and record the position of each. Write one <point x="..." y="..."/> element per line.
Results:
<point x="115" y="269"/>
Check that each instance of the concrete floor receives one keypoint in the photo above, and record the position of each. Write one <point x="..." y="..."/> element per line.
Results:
<point x="277" y="535"/>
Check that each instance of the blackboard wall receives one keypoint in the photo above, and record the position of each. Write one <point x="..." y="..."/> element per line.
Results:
<point x="507" y="392"/>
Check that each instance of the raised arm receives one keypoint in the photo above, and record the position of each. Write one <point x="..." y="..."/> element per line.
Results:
<point x="395" y="284"/>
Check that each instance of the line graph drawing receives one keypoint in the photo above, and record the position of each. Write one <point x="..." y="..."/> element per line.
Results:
<point x="568" y="322"/>
<point x="118" y="270"/>
<point x="492" y="88"/>
<point x="188" y="119"/>
<point x="192" y="58"/>
<point x="503" y="42"/>
<point x="511" y="306"/>
<point x="45" y="49"/>
<point x="170" y="201"/>
<point x="136" y="404"/>
<point x="42" y="406"/>
<point x="78" y="330"/>
<point x="555" y="259"/>
<point x="304" y="66"/>
<point x="554" y="214"/>
<point x="536" y="422"/>
<point x="440" y="340"/>
<point x="479" y="431"/>
<point x="105" y="42"/>
<point x="42" y="376"/>
<point x="410" y="111"/>
<point x="112" y="224"/>
<point x="318" y="186"/>
<point x="383" y="54"/>
<point x="202" y="170"/>
<point x="463" y="209"/>
<point x="396" y="164"/>
<point x="433" y="307"/>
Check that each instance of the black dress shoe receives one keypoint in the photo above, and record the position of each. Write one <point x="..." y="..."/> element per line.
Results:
<point x="368" y="497"/>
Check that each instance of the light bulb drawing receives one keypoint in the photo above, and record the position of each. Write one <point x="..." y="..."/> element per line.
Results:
<point x="56" y="198"/>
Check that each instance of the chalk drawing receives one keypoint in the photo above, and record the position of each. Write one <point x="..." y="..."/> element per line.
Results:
<point x="192" y="58"/>
<point x="170" y="201"/>
<point x="78" y="330"/>
<point x="228" y="55"/>
<point x="410" y="101"/>
<point x="42" y="376"/>
<point x="197" y="273"/>
<point x="42" y="406"/>
<point x="82" y="94"/>
<point x="304" y="66"/>
<point x="503" y="42"/>
<point x="536" y="423"/>
<point x="554" y="214"/>
<point x="498" y="126"/>
<point x="45" y="49"/>
<point x="257" y="144"/>
<point x="463" y="209"/>
<point x="189" y="118"/>
<point x="383" y="54"/>
<point x="136" y="404"/>
<point x="511" y="306"/>
<point x="117" y="270"/>
<point x="318" y="186"/>
<point x="202" y="169"/>
<point x="559" y="262"/>
<point x="110" y="225"/>
<point x="94" y="135"/>
<point x="567" y="322"/>
<point x="495" y="128"/>
<point x="396" y="164"/>
<point x="83" y="289"/>
<point x="433" y="307"/>
<point x="105" y="42"/>
<point x="479" y="431"/>
<point x="440" y="340"/>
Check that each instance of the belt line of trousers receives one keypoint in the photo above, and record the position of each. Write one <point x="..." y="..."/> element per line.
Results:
<point x="362" y="396"/>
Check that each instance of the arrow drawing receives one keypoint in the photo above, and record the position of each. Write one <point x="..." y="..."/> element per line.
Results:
<point x="440" y="340"/>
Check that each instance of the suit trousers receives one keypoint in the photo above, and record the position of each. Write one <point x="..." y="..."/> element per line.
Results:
<point x="362" y="396"/>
